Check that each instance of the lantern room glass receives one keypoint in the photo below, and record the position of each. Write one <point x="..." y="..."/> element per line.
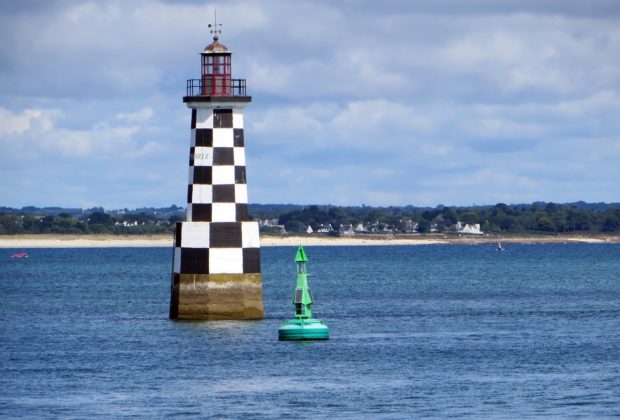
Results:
<point x="216" y="74"/>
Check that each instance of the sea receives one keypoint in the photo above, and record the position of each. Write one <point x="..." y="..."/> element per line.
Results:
<point x="430" y="331"/>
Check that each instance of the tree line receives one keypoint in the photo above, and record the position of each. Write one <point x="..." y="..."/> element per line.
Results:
<point x="93" y="223"/>
<point x="500" y="218"/>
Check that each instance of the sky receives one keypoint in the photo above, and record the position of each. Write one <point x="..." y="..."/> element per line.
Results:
<point x="395" y="102"/>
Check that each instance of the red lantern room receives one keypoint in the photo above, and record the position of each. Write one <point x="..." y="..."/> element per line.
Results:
<point x="215" y="75"/>
<point x="216" y="69"/>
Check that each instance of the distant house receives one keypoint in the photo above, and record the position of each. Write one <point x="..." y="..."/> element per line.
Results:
<point x="270" y="226"/>
<point x="379" y="227"/>
<point x="309" y="229"/>
<point x="268" y="222"/>
<point x="469" y="229"/>
<point x="360" y="228"/>
<point x="346" y="230"/>
<point x="126" y="223"/>
<point x="409" y="226"/>
<point x="325" y="228"/>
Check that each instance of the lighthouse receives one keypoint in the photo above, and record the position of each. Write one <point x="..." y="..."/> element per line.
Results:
<point x="216" y="263"/>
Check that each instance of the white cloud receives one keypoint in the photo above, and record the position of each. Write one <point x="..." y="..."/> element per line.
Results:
<point x="34" y="134"/>
<point x="404" y="102"/>
<point x="141" y="115"/>
<point x="18" y="123"/>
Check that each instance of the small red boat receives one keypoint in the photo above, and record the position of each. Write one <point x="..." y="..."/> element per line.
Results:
<point x="19" y="255"/>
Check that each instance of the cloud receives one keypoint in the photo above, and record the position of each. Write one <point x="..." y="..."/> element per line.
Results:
<point x="37" y="131"/>
<point x="18" y="123"/>
<point x="408" y="102"/>
<point x="141" y="115"/>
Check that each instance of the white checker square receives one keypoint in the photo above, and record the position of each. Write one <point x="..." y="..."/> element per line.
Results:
<point x="241" y="193"/>
<point x="176" y="265"/>
<point x="204" y="118"/>
<point x="195" y="235"/>
<point x="223" y="175"/>
<point x="239" y="156"/>
<point x="223" y="212"/>
<point x="202" y="194"/>
<point x="226" y="260"/>
<point x="249" y="235"/>
<point x="223" y="137"/>
<point x="203" y="156"/>
<point x="237" y="119"/>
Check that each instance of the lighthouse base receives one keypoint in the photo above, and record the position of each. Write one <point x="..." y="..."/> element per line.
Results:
<point x="217" y="297"/>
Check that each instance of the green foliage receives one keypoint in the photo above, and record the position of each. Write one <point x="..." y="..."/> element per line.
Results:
<point x="97" y="222"/>
<point x="537" y="217"/>
<point x="500" y="218"/>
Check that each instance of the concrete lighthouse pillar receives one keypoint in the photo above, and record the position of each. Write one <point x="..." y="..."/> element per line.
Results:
<point x="216" y="265"/>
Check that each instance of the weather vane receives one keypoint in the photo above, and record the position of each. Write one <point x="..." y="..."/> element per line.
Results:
<point x="215" y="28"/>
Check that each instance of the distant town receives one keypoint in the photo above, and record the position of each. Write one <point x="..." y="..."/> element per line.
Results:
<point x="282" y="219"/>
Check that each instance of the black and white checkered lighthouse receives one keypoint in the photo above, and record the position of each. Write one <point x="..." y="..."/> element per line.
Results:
<point x="216" y="268"/>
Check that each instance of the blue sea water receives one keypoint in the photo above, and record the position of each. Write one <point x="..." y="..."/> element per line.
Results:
<point x="416" y="331"/>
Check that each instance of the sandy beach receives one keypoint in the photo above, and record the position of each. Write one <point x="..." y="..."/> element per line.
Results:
<point x="111" y="241"/>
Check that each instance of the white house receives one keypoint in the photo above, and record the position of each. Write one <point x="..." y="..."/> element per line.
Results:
<point x="473" y="229"/>
<point x="360" y="228"/>
<point x="346" y="230"/>
<point x="325" y="228"/>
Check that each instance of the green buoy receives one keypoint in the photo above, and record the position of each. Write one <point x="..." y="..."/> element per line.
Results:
<point x="303" y="327"/>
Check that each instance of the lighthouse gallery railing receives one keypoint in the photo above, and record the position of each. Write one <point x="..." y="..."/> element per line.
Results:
<point x="195" y="87"/>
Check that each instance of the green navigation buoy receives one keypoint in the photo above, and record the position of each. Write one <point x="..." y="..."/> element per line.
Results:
<point x="303" y="327"/>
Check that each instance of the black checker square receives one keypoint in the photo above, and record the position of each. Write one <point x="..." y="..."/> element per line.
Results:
<point x="204" y="137"/>
<point x="203" y="175"/>
<point x="190" y="195"/>
<point x="177" y="234"/>
<point x="193" y="118"/>
<point x="201" y="212"/>
<point x="222" y="118"/>
<point x="225" y="235"/>
<point x="223" y="156"/>
<point x="240" y="175"/>
<point x="223" y="193"/>
<point x="238" y="137"/>
<point x="195" y="260"/>
<point x="191" y="156"/>
<point x="251" y="260"/>
<point x="241" y="210"/>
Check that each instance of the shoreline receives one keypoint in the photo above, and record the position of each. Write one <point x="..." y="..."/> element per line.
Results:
<point x="146" y="241"/>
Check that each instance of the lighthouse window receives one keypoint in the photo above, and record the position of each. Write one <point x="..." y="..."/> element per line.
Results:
<point x="222" y="118"/>
<point x="238" y="137"/>
<point x="240" y="175"/>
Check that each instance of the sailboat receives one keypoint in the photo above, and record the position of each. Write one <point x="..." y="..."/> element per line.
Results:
<point x="499" y="244"/>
